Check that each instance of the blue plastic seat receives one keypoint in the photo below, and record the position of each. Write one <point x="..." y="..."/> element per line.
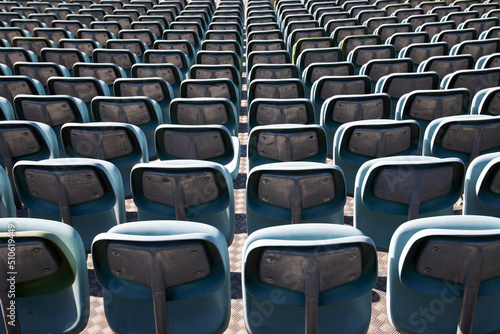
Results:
<point x="83" y="88"/>
<point x="477" y="48"/>
<point x="364" y="53"/>
<point x="40" y="71"/>
<point x="404" y="39"/>
<point x="433" y="28"/>
<point x="420" y="52"/>
<point x="455" y="36"/>
<point x="52" y="284"/>
<point x="378" y="68"/>
<point x="7" y="204"/>
<point x="157" y="89"/>
<point x="398" y="84"/>
<point x="121" y="57"/>
<point x="35" y="44"/>
<point x="441" y="269"/>
<point x="480" y="24"/>
<point x="316" y="71"/>
<point x="53" y="34"/>
<point x="139" y="110"/>
<point x="329" y="86"/>
<point x="360" y="141"/>
<point x="485" y="102"/>
<point x="204" y="111"/>
<point x="84" y="193"/>
<point x="101" y="36"/>
<point x="203" y="142"/>
<point x="340" y="33"/>
<point x="319" y="55"/>
<point x="220" y="88"/>
<point x="124" y="145"/>
<point x="385" y="31"/>
<point x="304" y="44"/>
<point x="474" y="80"/>
<point x="192" y="190"/>
<point x="191" y="294"/>
<point x="341" y="109"/>
<point x="424" y="106"/>
<point x="286" y="142"/>
<point x="106" y="72"/>
<point x="465" y="137"/>
<point x="86" y="45"/>
<point x="390" y="191"/>
<point x="294" y="192"/>
<point x="344" y="261"/>
<point x="444" y="65"/>
<point x="12" y="86"/>
<point x="176" y="57"/>
<point x="267" y="57"/>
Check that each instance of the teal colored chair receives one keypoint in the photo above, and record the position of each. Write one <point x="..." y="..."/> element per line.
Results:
<point x="51" y="280"/>
<point x="424" y="106"/>
<point x="53" y="110"/>
<point x="209" y="57"/>
<point x="167" y="71"/>
<point x="310" y="43"/>
<point x="444" y="65"/>
<point x="275" y="89"/>
<point x="341" y="109"/>
<point x="393" y="190"/>
<point x="173" y="56"/>
<point x="465" y="137"/>
<point x="122" y="144"/>
<point x="486" y="102"/>
<point x="474" y="80"/>
<point x="378" y="68"/>
<point x="318" y="55"/>
<point x="139" y="110"/>
<point x="481" y="190"/>
<point x="286" y="142"/>
<point x="194" y="190"/>
<point x="203" y="142"/>
<point x="477" y="48"/>
<point x="364" y="53"/>
<point x="41" y="71"/>
<point x="360" y="141"/>
<point x="314" y="278"/>
<point x="164" y="277"/>
<point x="316" y="71"/>
<point x="25" y="140"/>
<point x="273" y="71"/>
<point x="420" y="52"/>
<point x="398" y="84"/>
<point x="331" y="86"/>
<point x="204" y="111"/>
<point x="220" y="88"/>
<point x="106" y="72"/>
<point x="84" y="193"/>
<point x="157" y="89"/>
<point x="6" y="110"/>
<point x="7" y="204"/>
<point x="294" y="192"/>
<point x="275" y="111"/>
<point x="14" y="85"/>
<point x="488" y="61"/>
<point x="443" y="275"/>
<point x="124" y="58"/>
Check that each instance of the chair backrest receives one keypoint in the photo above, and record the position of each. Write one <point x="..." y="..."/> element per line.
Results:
<point x="477" y="49"/>
<point x="294" y="192"/>
<point x="424" y="106"/>
<point x="444" y="65"/>
<point x="455" y="36"/>
<point x="378" y="68"/>
<point x="360" y="141"/>
<point x="286" y="142"/>
<point x="319" y="55"/>
<point x="139" y="110"/>
<point x="280" y="111"/>
<point x="393" y="190"/>
<point x="310" y="43"/>
<point x="445" y="261"/>
<point x="402" y="40"/>
<point x="474" y="80"/>
<point x="420" y="52"/>
<point x="193" y="190"/>
<point x="14" y="85"/>
<point x="203" y="142"/>
<point x="364" y="53"/>
<point x="53" y="268"/>
<point x="465" y="137"/>
<point x="84" y="193"/>
<point x="40" y="71"/>
<point x="485" y="102"/>
<point x="316" y="71"/>
<point x="385" y="31"/>
<point x="270" y="255"/>
<point x="124" y="145"/>
<point x="131" y="265"/>
<point x="222" y="88"/>
<point x="398" y="84"/>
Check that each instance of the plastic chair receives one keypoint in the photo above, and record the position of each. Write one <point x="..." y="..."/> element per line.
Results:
<point x="474" y="80"/>
<point x="424" y="106"/>
<point x="275" y="89"/>
<point x="390" y="191"/>
<point x="418" y="20"/>
<point x="349" y="43"/>
<point x="192" y="190"/>
<point x="65" y="57"/>
<point x="480" y="24"/>
<point x="12" y="86"/>
<point x="269" y="254"/>
<point x="360" y="141"/>
<point x="440" y="264"/>
<point x="124" y="145"/>
<point x="52" y="285"/>
<point x="485" y="102"/>
<point x="332" y="25"/>
<point x="204" y="57"/>
<point x="286" y="142"/>
<point x="145" y="35"/>
<point x="280" y="111"/>
<point x="454" y="36"/>
<point x="86" y="194"/>
<point x="106" y="72"/>
<point x="53" y="34"/>
<point x="444" y="65"/>
<point x="375" y="22"/>
<point x="176" y="57"/>
<point x="340" y="33"/>
<point x="398" y="84"/>
<point x="196" y="279"/>
<point x="378" y="68"/>
<point x="135" y="45"/>
<point x="87" y="46"/>
<point x="493" y="32"/>
<point x="465" y="137"/>
<point x="329" y="86"/>
<point x="420" y="52"/>
<point x="203" y="142"/>
<point x="341" y="109"/>
<point x="273" y="71"/>
<point x="477" y="48"/>
<point x="294" y="192"/>
<point x="221" y="88"/>
<point x="139" y="110"/>
<point x="402" y="40"/>
<point x="310" y="43"/>
<point x="386" y="31"/>
<point x="267" y="57"/>
<point x="433" y="28"/>
<point x="40" y="71"/>
<point x="362" y="54"/>
<point x="320" y="55"/>
<point x="84" y="88"/>
<point x="316" y="71"/>
<point x="35" y="44"/>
